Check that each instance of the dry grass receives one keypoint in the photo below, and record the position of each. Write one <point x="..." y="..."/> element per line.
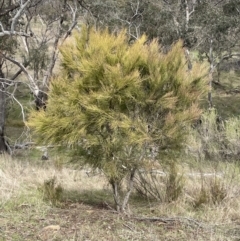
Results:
<point x="84" y="211"/>
<point x="17" y="176"/>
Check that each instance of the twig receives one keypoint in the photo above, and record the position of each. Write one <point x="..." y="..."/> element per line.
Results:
<point x="14" y="21"/>
<point x="18" y="15"/>
<point x="33" y="85"/>
<point x="112" y="209"/>
<point x="128" y="227"/>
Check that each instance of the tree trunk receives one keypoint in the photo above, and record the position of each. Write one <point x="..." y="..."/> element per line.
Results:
<point x="129" y="191"/>
<point x="116" y="186"/>
<point x="121" y="201"/>
<point x="210" y="74"/>
<point x="40" y="100"/>
<point x="3" y="143"/>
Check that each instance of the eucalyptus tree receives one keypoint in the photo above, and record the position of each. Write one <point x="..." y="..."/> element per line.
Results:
<point x="218" y="33"/>
<point x="30" y="33"/>
<point x="8" y="44"/>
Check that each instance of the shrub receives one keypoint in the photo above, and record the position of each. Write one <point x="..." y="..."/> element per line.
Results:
<point x="114" y="103"/>
<point x="163" y="186"/>
<point x="51" y="191"/>
<point x="214" y="139"/>
<point x="213" y="192"/>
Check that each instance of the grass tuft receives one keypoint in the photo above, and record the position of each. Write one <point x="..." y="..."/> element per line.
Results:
<point x="52" y="191"/>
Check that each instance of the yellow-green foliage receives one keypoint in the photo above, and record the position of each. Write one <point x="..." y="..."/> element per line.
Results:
<point x="113" y="100"/>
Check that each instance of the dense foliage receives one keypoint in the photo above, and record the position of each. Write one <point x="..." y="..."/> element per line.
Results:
<point x="119" y="104"/>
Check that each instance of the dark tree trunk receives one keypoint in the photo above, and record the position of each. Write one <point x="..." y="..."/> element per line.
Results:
<point x="40" y="100"/>
<point x="3" y="143"/>
<point x="121" y="199"/>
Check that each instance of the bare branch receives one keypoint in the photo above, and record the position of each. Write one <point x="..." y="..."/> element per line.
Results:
<point x="57" y="38"/>
<point x="7" y="81"/>
<point x="5" y="32"/>
<point x="11" y="95"/>
<point x="18" y="14"/>
<point x="14" y="33"/>
<point x="132" y="23"/>
<point x="33" y="86"/>
<point x="8" y="9"/>
<point x="187" y="220"/>
<point x="14" y="21"/>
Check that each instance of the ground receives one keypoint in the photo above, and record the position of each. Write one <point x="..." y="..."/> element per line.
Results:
<point x="78" y="221"/>
<point x="85" y="210"/>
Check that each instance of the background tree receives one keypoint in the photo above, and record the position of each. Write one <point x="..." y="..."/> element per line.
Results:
<point x="30" y="34"/>
<point x="209" y="28"/>
<point x="119" y="105"/>
<point x="8" y="44"/>
<point x="169" y="21"/>
<point x="218" y="34"/>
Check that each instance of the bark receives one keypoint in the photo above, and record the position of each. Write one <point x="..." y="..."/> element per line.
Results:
<point x="3" y="143"/>
<point x="210" y="74"/>
<point x="40" y="100"/>
<point x="121" y="206"/>
<point x="129" y="191"/>
<point x="115" y="186"/>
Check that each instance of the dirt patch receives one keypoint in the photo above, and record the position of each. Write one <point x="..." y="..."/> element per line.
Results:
<point x="78" y="221"/>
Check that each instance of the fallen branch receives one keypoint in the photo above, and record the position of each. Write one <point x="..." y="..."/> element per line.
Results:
<point x="23" y="145"/>
<point x="186" y="220"/>
<point x="128" y="227"/>
<point x="109" y="207"/>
